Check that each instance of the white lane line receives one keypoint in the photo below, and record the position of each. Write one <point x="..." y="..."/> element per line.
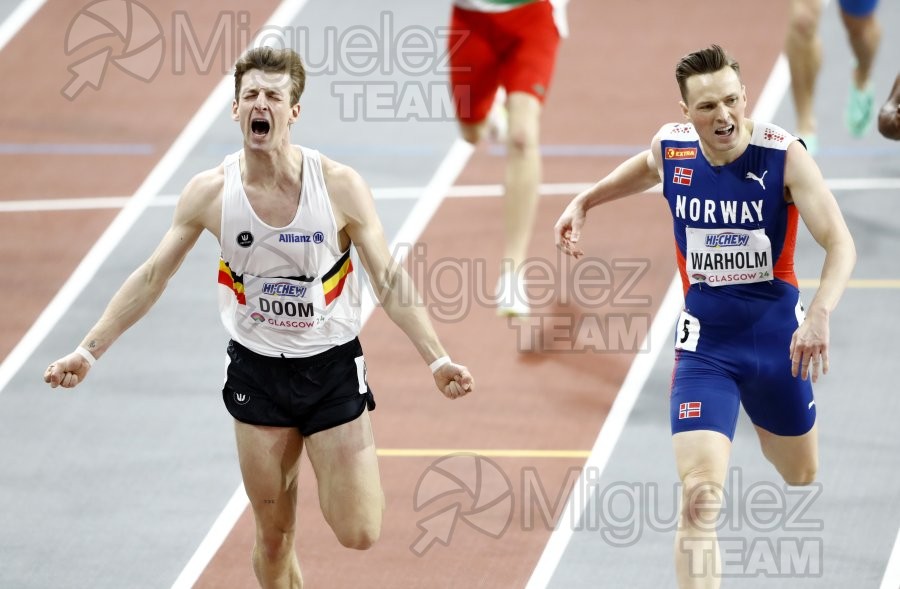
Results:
<point x="612" y="429"/>
<point x="430" y="199"/>
<point x="891" y="579"/>
<point x="213" y="539"/>
<point x="17" y="19"/>
<point x="640" y="370"/>
<point x="394" y="193"/>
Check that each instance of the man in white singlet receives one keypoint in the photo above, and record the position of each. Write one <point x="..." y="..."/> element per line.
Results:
<point x="285" y="217"/>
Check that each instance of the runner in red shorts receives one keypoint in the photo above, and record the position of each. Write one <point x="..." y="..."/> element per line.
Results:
<point x="510" y="46"/>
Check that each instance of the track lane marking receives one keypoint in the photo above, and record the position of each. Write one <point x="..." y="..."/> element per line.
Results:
<point x="393" y="193"/>
<point x="17" y="19"/>
<point x="487" y="453"/>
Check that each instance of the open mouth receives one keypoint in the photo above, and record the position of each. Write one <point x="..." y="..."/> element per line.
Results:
<point x="725" y="131"/>
<point x="259" y="127"/>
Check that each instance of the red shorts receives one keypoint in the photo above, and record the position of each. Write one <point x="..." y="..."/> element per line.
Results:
<point x="514" y="49"/>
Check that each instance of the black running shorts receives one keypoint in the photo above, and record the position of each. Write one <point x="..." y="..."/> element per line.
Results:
<point x="312" y="394"/>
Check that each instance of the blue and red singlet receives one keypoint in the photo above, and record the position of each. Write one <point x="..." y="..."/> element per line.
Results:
<point x="735" y="233"/>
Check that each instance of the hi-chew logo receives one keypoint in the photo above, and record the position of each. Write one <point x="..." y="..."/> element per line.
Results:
<point x="727" y="239"/>
<point x="284" y="289"/>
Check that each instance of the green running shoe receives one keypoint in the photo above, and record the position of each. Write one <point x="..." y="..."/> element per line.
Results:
<point x="860" y="111"/>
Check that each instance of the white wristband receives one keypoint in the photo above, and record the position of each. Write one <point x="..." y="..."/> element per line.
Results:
<point x="436" y="365"/>
<point x="84" y="353"/>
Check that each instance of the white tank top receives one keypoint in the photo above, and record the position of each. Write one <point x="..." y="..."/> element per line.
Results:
<point x="287" y="291"/>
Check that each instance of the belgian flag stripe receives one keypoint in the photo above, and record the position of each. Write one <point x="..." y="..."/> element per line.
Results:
<point x="225" y="274"/>
<point x="235" y="283"/>
<point x="333" y="280"/>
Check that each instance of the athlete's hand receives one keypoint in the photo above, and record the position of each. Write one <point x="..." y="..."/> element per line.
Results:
<point x="889" y="115"/>
<point x="809" y="347"/>
<point x="889" y="119"/>
<point x="568" y="228"/>
<point x="68" y="371"/>
<point x="454" y="380"/>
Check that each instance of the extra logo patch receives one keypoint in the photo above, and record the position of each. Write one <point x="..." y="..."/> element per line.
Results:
<point x="245" y="239"/>
<point x="681" y="153"/>
<point x="688" y="410"/>
<point x="241" y="398"/>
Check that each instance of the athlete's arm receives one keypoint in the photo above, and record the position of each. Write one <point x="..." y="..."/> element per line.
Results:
<point x="633" y="176"/>
<point x="355" y="213"/>
<point x="194" y="212"/>
<point x="889" y="115"/>
<point x="822" y="216"/>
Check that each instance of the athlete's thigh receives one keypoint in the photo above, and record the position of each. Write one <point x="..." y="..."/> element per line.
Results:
<point x="702" y="455"/>
<point x="704" y="397"/>
<point x="346" y="468"/>
<point x="773" y="398"/>
<point x="269" y="459"/>
<point x="792" y="455"/>
<point x="807" y="12"/>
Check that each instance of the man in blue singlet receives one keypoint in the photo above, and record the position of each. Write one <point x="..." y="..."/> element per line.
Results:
<point x="736" y="189"/>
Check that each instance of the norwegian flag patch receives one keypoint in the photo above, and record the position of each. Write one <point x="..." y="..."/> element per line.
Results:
<point x="688" y="410"/>
<point x="682" y="176"/>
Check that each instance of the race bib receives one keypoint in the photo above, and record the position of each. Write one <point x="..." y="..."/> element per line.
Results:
<point x="728" y="256"/>
<point x="283" y="304"/>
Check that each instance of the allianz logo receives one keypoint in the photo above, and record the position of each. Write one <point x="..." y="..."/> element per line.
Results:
<point x="317" y="237"/>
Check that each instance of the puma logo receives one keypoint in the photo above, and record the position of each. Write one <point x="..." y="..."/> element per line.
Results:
<point x="752" y="176"/>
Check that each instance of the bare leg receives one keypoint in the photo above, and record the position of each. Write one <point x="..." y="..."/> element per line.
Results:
<point x="350" y="492"/>
<point x="795" y="457"/>
<point x="269" y="458"/>
<point x="864" y="35"/>
<point x="702" y="460"/>
<point x="803" y="48"/>
<point x="472" y="132"/>
<point x="523" y="174"/>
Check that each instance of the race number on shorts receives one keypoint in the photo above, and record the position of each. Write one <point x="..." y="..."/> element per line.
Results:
<point x="687" y="332"/>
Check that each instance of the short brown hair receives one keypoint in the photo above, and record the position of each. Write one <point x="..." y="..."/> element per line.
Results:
<point x="268" y="59"/>
<point x="705" y="61"/>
